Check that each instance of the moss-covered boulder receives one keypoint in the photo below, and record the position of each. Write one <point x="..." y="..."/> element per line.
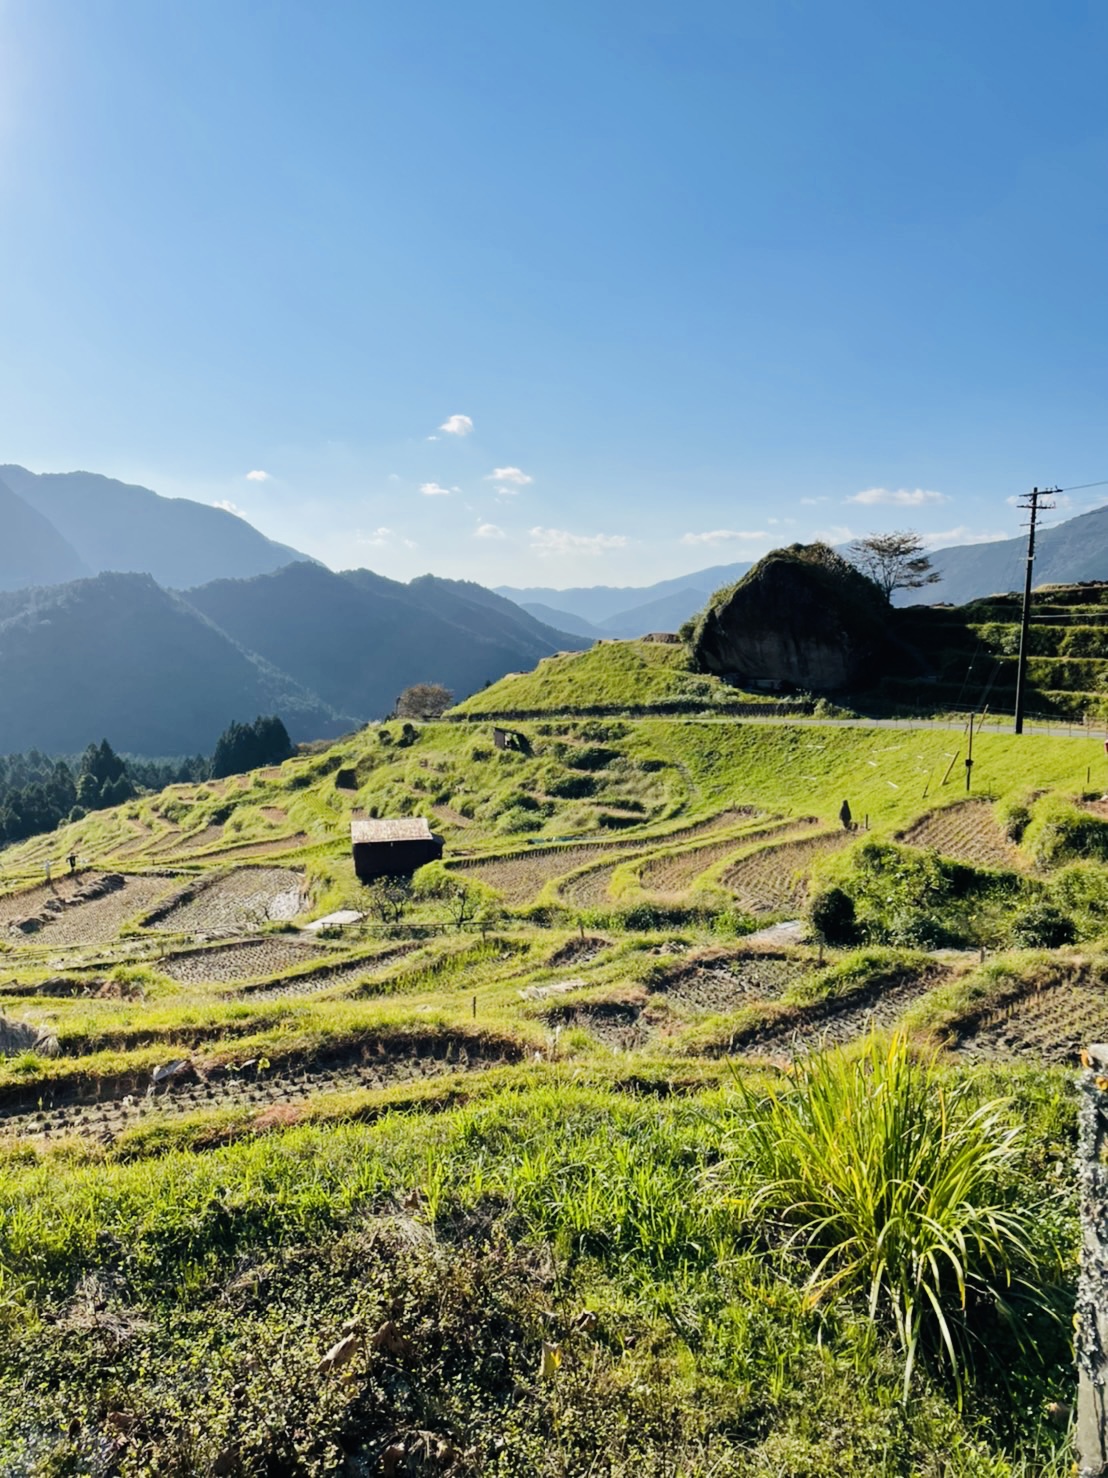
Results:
<point x="801" y="618"/>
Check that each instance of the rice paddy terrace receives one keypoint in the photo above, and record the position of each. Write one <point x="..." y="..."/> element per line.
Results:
<point x="171" y="1005"/>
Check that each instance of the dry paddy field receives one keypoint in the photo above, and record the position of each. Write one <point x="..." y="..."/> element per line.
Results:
<point x="235" y="903"/>
<point x="774" y="879"/>
<point x="968" y="832"/>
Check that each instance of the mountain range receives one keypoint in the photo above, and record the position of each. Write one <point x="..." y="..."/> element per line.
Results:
<point x="1071" y="551"/>
<point x="163" y="672"/>
<point x="156" y="621"/>
<point x="59" y="526"/>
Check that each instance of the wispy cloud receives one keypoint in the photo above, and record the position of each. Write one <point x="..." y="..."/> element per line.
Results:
<point x="963" y="534"/>
<point x="561" y="541"/>
<point x="898" y="497"/>
<point x="812" y="502"/>
<point x="382" y="538"/>
<point x="433" y="490"/>
<point x="1060" y="500"/>
<point x="229" y="507"/>
<point x="489" y="531"/>
<point x="722" y="536"/>
<point x="257" y="476"/>
<point x="514" y="476"/>
<point x="457" y="426"/>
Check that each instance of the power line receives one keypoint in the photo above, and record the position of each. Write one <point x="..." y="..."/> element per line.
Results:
<point x="1080" y="486"/>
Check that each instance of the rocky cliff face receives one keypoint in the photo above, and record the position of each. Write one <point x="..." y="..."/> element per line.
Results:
<point x="802" y="618"/>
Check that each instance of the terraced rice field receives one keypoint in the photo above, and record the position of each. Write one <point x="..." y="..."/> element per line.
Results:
<point x="773" y="879"/>
<point x="833" y="1022"/>
<point x="352" y="972"/>
<point x="253" y="1086"/>
<point x="589" y="888"/>
<point x="249" y="960"/>
<point x="521" y="876"/>
<point x="100" y="920"/>
<point x="676" y="873"/>
<point x="1051" y="1026"/>
<point x="723" y="983"/>
<point x="968" y="832"/>
<point x="619" y="1025"/>
<point x="236" y="903"/>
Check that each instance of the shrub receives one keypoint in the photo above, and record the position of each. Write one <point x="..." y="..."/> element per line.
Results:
<point x="1042" y="926"/>
<point x="831" y="916"/>
<point x="892" y="1182"/>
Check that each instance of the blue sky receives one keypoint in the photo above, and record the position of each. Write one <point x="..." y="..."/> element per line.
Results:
<point x="559" y="293"/>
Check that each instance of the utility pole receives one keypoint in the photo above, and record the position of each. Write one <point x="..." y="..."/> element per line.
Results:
<point x="1033" y="503"/>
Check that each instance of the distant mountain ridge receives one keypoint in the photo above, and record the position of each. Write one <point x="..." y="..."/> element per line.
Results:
<point x="59" y="526"/>
<point x="1074" y="550"/>
<point x="163" y="672"/>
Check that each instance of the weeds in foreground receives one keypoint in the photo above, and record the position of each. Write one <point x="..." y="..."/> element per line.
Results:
<point x="898" y="1186"/>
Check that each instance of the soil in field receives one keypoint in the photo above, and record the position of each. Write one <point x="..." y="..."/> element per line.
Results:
<point x="1051" y="1026"/>
<point x="237" y="903"/>
<point x="674" y="875"/>
<point x="968" y="832"/>
<point x="100" y="919"/>
<point x="833" y="1022"/>
<point x="724" y="984"/>
<point x="248" y="960"/>
<point x="590" y="887"/>
<point x="774" y="879"/>
<point x="352" y="972"/>
<point x="362" y="1065"/>
<point x="521" y="876"/>
<point x="577" y="952"/>
<point x="618" y="1024"/>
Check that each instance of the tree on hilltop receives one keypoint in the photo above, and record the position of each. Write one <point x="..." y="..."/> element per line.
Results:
<point x="894" y="561"/>
<point x="243" y="747"/>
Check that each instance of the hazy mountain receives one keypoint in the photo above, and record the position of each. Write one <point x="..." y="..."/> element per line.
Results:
<point x="110" y="525"/>
<point x="32" y="551"/>
<point x="1074" y="550"/>
<point x="116" y="655"/>
<point x="562" y="620"/>
<point x="358" y="639"/>
<point x="599" y="604"/>
<point x="666" y="613"/>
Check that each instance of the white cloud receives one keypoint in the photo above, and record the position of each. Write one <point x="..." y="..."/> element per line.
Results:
<point x="812" y="502"/>
<point x="560" y="541"/>
<point x="898" y="497"/>
<point x="433" y="490"/>
<point x="1060" y="500"/>
<point x="457" y="426"/>
<point x="489" y="531"/>
<point x="514" y="475"/>
<point x="838" y="533"/>
<point x="383" y="537"/>
<point x="434" y="438"/>
<point x="394" y="477"/>
<point x="963" y="534"/>
<point x="257" y="476"/>
<point x="722" y="536"/>
<point x="229" y="507"/>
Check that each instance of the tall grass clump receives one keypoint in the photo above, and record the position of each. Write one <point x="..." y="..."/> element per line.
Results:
<point x="898" y="1187"/>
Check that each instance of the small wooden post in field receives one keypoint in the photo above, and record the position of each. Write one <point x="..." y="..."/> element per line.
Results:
<point x="1092" y="1289"/>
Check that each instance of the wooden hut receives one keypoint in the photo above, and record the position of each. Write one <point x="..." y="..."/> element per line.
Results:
<point x="392" y="849"/>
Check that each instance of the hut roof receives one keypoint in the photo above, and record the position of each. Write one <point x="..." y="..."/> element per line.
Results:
<point x="402" y="829"/>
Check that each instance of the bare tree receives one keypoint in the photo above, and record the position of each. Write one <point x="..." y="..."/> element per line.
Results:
<point x="894" y="561"/>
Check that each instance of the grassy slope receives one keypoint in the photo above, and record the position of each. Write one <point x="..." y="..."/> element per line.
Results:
<point x="615" y="675"/>
<point x="592" y="1174"/>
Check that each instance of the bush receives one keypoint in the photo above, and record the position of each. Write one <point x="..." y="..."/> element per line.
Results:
<point x="1042" y="926"/>
<point x="893" y="1183"/>
<point x="831" y="916"/>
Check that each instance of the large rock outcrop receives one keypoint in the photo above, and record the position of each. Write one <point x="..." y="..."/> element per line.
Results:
<point x="801" y="618"/>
